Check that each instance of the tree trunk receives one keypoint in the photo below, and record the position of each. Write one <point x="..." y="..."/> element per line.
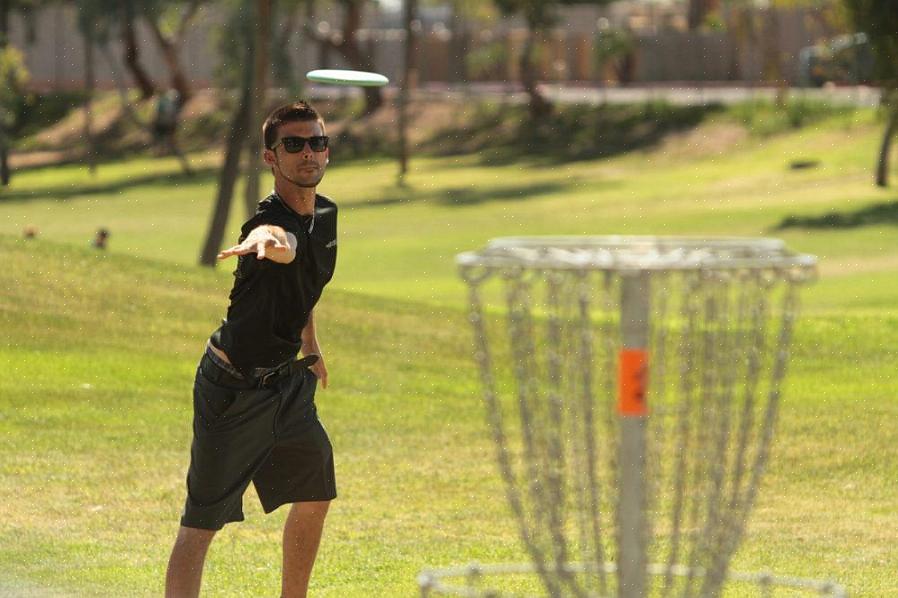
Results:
<point x="698" y="12"/>
<point x="90" y="85"/>
<point x="408" y="72"/>
<point x="121" y="87"/>
<point x="227" y="179"/>
<point x="283" y="69"/>
<point x="882" y="166"/>
<point x="774" y="69"/>
<point x="5" y="173"/>
<point x="257" y="106"/>
<point x="348" y="47"/>
<point x="132" y="59"/>
<point x="170" y="51"/>
<point x="230" y="169"/>
<point x="539" y="106"/>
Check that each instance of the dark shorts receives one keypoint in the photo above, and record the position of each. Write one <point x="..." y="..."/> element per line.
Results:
<point x="241" y="433"/>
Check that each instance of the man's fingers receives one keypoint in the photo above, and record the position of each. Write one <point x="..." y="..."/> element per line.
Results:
<point x="320" y="372"/>
<point x="260" y="248"/>
<point x="229" y="252"/>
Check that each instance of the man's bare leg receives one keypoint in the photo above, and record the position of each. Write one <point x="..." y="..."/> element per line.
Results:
<point x="302" y="534"/>
<point x="185" y="566"/>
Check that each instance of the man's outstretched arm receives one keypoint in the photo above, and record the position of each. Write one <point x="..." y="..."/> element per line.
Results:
<point x="266" y="241"/>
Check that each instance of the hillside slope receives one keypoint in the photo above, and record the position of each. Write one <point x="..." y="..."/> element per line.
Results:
<point x="99" y="352"/>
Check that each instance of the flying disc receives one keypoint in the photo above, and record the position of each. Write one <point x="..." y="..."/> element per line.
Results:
<point x="347" y="77"/>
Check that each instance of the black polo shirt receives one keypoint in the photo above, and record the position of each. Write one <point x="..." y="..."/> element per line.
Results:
<point x="271" y="302"/>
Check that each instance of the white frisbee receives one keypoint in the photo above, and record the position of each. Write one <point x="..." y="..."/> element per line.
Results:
<point x="347" y="77"/>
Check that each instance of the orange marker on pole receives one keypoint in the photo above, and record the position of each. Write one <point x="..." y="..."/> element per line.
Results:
<point x="633" y="383"/>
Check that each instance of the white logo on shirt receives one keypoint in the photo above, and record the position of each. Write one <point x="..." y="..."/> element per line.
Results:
<point x="331" y="244"/>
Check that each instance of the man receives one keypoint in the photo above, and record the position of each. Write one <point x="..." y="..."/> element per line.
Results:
<point x="254" y="412"/>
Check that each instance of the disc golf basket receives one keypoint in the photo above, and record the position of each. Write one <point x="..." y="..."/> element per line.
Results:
<point x="632" y="387"/>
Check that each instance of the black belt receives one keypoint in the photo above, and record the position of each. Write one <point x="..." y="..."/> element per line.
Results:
<point x="265" y="380"/>
<point x="263" y="377"/>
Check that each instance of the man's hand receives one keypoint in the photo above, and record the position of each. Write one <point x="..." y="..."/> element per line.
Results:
<point x="266" y="241"/>
<point x="310" y="346"/>
<point x="318" y="368"/>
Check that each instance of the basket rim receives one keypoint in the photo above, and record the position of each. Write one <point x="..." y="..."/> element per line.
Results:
<point x="637" y="253"/>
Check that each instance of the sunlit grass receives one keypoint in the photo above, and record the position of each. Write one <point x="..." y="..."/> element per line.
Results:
<point x="99" y="349"/>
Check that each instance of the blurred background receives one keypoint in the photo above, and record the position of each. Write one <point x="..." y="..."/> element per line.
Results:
<point x="130" y="154"/>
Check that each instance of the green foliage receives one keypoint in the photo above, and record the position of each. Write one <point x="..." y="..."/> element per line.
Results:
<point x="230" y="42"/>
<point x="879" y="20"/>
<point x="503" y="134"/>
<point x="764" y="118"/>
<point x="487" y="59"/>
<point x="539" y="14"/>
<point x="35" y="111"/>
<point x="612" y="44"/>
<point x="232" y="39"/>
<point x="13" y="78"/>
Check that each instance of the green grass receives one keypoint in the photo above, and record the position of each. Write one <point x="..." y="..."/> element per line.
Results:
<point x="99" y="351"/>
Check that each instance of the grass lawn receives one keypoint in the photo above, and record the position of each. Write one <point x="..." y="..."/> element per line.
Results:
<point x="100" y="351"/>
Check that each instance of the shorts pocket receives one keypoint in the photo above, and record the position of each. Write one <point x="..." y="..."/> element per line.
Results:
<point x="212" y="402"/>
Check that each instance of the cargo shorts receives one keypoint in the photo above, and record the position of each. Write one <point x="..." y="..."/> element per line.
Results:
<point x="243" y="433"/>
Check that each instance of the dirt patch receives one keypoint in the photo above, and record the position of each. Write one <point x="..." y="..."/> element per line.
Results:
<point x="712" y="139"/>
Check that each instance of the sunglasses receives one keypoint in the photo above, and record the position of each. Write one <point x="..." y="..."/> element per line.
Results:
<point x="318" y="143"/>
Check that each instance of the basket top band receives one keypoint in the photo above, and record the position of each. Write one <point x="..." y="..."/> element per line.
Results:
<point x="623" y="253"/>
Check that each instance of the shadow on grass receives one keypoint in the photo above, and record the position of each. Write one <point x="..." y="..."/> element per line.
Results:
<point x="470" y="195"/>
<point x="66" y="192"/>
<point x="506" y="134"/>
<point x="880" y="213"/>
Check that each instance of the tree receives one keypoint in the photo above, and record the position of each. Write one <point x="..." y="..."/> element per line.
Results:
<point x="698" y="12"/>
<point x="87" y="20"/>
<point x="259" y="86"/>
<point x="13" y="77"/>
<point x="169" y="21"/>
<point x="879" y="20"/>
<point x="410" y="9"/>
<point x="540" y="16"/>
<point x="286" y="13"/>
<point x="346" y="43"/>
<point x="127" y="12"/>
<point x="101" y="20"/>
<point x="237" y="34"/>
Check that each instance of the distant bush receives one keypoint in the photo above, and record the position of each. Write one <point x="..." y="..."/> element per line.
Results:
<point x="764" y="118"/>
<point x="36" y="111"/>
<point x="573" y="132"/>
<point x="13" y="78"/>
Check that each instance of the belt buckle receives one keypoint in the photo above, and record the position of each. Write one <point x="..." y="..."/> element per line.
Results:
<point x="263" y="381"/>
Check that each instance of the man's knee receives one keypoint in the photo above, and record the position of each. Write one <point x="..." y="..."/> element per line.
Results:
<point x="316" y="508"/>
<point x="194" y="538"/>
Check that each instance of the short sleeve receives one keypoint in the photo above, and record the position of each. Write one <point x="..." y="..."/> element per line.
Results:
<point x="269" y="212"/>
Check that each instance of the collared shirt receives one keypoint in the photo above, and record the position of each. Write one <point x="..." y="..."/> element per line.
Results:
<point x="270" y="302"/>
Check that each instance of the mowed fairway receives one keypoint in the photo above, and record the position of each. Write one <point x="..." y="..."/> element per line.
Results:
<point x="99" y="351"/>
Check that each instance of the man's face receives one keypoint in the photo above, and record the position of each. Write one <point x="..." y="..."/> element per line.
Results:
<point x="304" y="168"/>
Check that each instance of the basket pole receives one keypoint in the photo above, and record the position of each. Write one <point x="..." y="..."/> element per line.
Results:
<point x="633" y="413"/>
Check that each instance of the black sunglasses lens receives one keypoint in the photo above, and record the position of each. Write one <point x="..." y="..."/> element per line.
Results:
<point x="295" y="144"/>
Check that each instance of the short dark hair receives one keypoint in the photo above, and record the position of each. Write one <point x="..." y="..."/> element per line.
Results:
<point x="293" y="112"/>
